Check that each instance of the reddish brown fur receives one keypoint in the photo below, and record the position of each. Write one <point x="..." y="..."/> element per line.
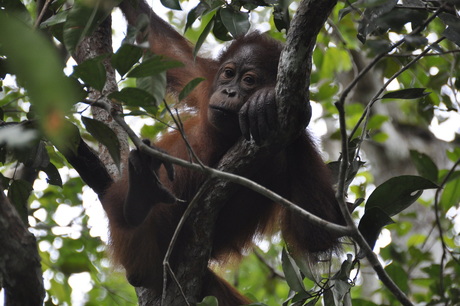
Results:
<point x="297" y="173"/>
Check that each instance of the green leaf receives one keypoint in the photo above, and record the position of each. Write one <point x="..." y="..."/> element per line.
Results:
<point x="371" y="224"/>
<point x="125" y="58"/>
<point x="410" y="93"/>
<point x="375" y="10"/>
<point x="425" y="165"/>
<point x="54" y="178"/>
<point x="451" y="194"/>
<point x="74" y="263"/>
<point x="398" y="193"/>
<point x="193" y="15"/>
<point x="35" y="157"/>
<point x="219" y="30"/>
<point x="339" y="284"/>
<point x="453" y="155"/>
<point x="200" y="10"/>
<point x="292" y="272"/>
<point x="281" y="16"/>
<point x="155" y="85"/>
<point x="236" y="22"/>
<point x="208" y="301"/>
<point x="4" y="181"/>
<point x="328" y="297"/>
<point x="189" y="87"/>
<point x="38" y="66"/>
<point x="18" y="193"/>
<point x="172" y="4"/>
<point x="150" y="131"/>
<point x="452" y="32"/>
<point x="425" y="109"/>
<point x="92" y="72"/>
<point x="398" y="275"/>
<point x="345" y="269"/>
<point x="17" y="9"/>
<point x="335" y="60"/>
<point x="104" y="135"/>
<point x="340" y="291"/>
<point x="376" y="121"/>
<point x="351" y="172"/>
<point x="298" y="297"/>
<point x="203" y="36"/>
<point x="69" y="145"/>
<point x="380" y="137"/>
<point x="154" y="65"/>
<point x="134" y="97"/>
<point x="59" y="18"/>
<point x="81" y="21"/>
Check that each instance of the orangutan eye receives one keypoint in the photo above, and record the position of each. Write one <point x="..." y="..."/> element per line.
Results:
<point x="228" y="73"/>
<point x="249" y="80"/>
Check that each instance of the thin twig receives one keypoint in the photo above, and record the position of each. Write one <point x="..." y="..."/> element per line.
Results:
<point x="430" y="54"/>
<point x="42" y="13"/>
<point x="439" y="226"/>
<point x="168" y="268"/>
<point x="180" y="128"/>
<point x="378" y="268"/>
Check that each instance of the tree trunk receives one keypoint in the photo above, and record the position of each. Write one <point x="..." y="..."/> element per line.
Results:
<point x="99" y="43"/>
<point x="20" y="269"/>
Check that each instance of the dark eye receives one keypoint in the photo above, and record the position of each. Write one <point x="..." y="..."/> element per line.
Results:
<point x="249" y="80"/>
<point x="228" y="73"/>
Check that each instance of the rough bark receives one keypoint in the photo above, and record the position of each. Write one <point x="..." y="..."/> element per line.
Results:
<point x="20" y="269"/>
<point x="100" y="43"/>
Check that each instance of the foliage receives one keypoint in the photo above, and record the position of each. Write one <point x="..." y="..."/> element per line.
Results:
<point x="44" y="111"/>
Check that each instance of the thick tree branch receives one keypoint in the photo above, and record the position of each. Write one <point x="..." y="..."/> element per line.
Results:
<point x="292" y="89"/>
<point x="20" y="269"/>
